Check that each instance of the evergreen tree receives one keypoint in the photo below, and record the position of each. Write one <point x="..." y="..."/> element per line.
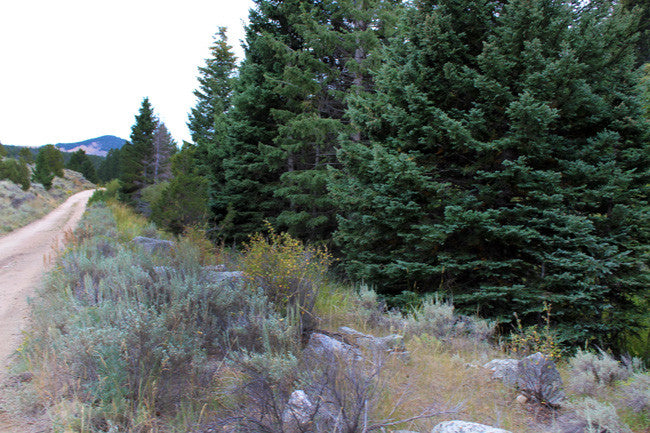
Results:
<point x="80" y="162"/>
<point x="26" y="155"/>
<point x="53" y="159"/>
<point x="214" y="92"/>
<point x="109" y="168"/>
<point x="16" y="171"/>
<point x="136" y="156"/>
<point x="302" y="60"/>
<point x="43" y="173"/>
<point x="3" y="151"/>
<point x="518" y="129"/>
<point x="641" y="9"/>
<point x="208" y="120"/>
<point x="184" y="202"/>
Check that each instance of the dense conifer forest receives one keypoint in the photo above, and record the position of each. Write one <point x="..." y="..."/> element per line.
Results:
<point x="495" y="153"/>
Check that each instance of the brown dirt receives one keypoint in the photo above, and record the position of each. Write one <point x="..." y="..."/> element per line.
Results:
<point x="25" y="255"/>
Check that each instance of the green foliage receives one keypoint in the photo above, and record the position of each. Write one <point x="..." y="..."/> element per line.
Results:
<point x="80" y="162"/>
<point x="500" y="168"/>
<point x="183" y="201"/>
<point x="15" y="171"/>
<point x="42" y="173"/>
<point x="109" y="192"/>
<point x="288" y="113"/>
<point x="110" y="167"/>
<point x="136" y="156"/>
<point x="26" y="155"/>
<point x="289" y="272"/>
<point x="3" y="151"/>
<point x="53" y="159"/>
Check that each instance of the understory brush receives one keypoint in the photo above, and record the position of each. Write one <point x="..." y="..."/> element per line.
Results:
<point x="127" y="339"/>
<point x="198" y="339"/>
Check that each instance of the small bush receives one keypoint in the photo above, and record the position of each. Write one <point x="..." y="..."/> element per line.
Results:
<point x="591" y="372"/>
<point x="289" y="272"/>
<point x="532" y="339"/>
<point x="109" y="192"/>
<point x="637" y="393"/>
<point x="593" y="416"/>
<point x="437" y="318"/>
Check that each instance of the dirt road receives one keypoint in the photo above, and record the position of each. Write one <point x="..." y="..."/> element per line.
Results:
<point x="23" y="260"/>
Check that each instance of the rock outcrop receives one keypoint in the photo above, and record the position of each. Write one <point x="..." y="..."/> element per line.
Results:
<point x="465" y="427"/>
<point x="151" y="245"/>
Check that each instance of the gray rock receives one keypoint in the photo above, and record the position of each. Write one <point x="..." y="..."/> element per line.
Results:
<point x="151" y="245"/>
<point x="393" y="343"/>
<point x="299" y="410"/>
<point x="323" y="346"/>
<point x="504" y="370"/>
<point x="217" y="277"/>
<point x="536" y="377"/>
<point x="465" y="427"/>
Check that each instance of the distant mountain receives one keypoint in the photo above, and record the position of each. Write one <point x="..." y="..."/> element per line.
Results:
<point x="95" y="146"/>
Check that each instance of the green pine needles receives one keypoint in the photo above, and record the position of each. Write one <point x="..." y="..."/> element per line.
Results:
<point x="506" y="165"/>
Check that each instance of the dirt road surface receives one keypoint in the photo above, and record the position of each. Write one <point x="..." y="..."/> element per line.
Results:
<point x="25" y="255"/>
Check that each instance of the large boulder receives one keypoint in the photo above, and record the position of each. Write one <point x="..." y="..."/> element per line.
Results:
<point x="393" y="343"/>
<point x="465" y="427"/>
<point x="536" y="376"/>
<point x="219" y="276"/>
<point x="151" y="245"/>
<point x="324" y="346"/>
<point x="504" y="370"/>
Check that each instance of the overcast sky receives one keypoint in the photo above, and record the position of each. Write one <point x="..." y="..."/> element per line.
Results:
<point x="77" y="69"/>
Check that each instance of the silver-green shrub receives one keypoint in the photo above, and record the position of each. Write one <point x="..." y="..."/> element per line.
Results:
<point x="636" y="394"/>
<point x="436" y="317"/>
<point x="132" y="331"/>
<point x="590" y="372"/>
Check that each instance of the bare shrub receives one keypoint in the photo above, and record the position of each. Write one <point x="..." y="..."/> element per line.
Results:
<point x="539" y="380"/>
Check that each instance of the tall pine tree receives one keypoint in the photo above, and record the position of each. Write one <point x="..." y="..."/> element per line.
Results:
<point x="302" y="60"/>
<point x="137" y="155"/>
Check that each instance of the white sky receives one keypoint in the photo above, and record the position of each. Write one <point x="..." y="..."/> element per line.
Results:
<point x="71" y="70"/>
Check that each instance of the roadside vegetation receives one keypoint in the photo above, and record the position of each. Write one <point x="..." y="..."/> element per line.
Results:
<point x="19" y="207"/>
<point x="30" y="189"/>
<point x="123" y="340"/>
